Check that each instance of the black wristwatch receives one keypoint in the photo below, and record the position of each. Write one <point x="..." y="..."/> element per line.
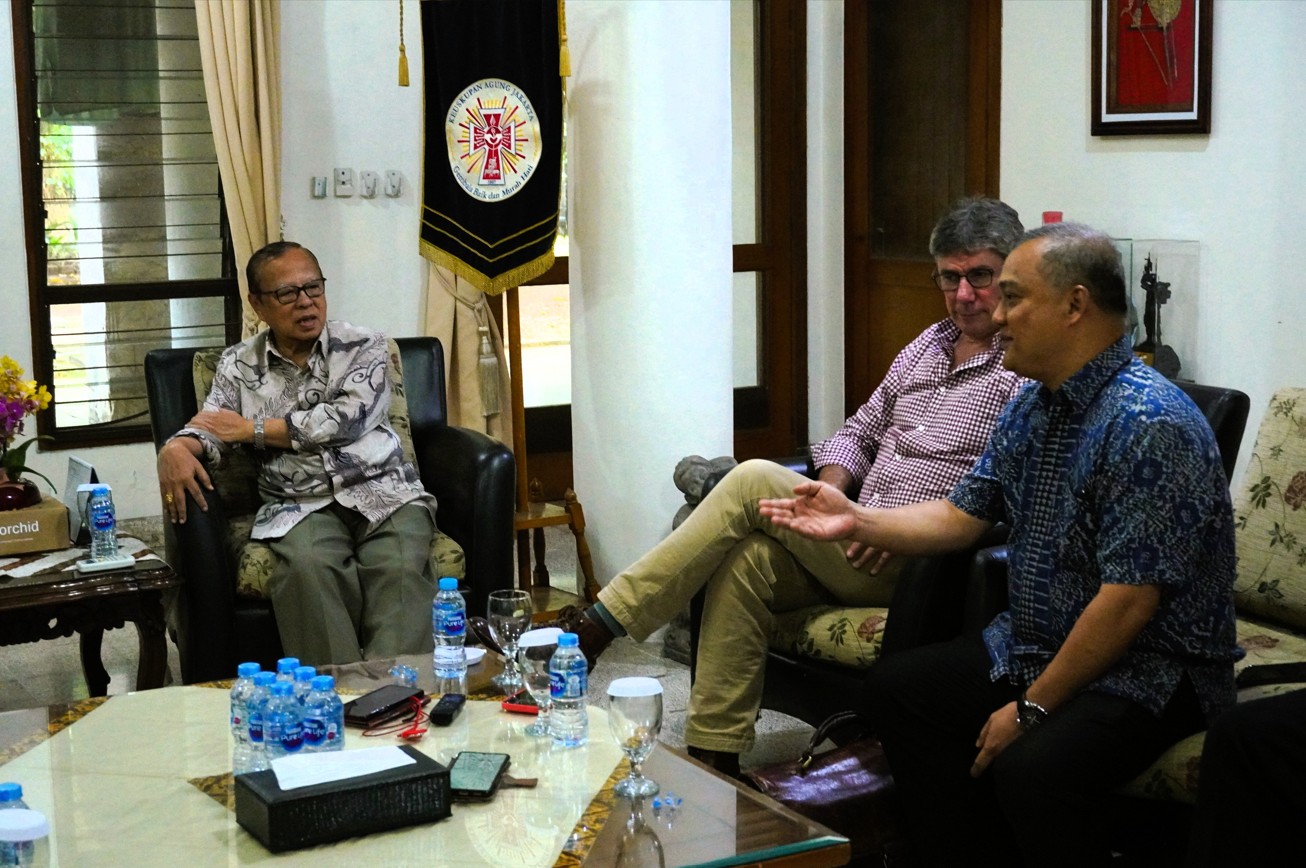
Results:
<point x="1029" y="714"/>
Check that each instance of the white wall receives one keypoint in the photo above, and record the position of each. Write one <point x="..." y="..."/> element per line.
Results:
<point x="1239" y="191"/>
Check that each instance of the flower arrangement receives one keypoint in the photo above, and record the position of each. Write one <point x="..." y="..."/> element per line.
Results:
<point x="19" y="398"/>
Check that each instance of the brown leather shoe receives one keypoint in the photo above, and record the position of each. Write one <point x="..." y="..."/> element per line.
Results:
<point x="723" y="762"/>
<point x="594" y="637"/>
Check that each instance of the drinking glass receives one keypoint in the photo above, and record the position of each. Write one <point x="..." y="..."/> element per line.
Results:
<point x="534" y="650"/>
<point x="509" y="614"/>
<point x="635" y="718"/>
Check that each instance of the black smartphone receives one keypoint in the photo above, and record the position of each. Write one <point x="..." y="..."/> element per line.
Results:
<point x="384" y="703"/>
<point x="474" y="775"/>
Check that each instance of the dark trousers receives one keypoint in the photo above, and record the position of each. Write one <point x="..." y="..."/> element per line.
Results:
<point x="1251" y="795"/>
<point x="1042" y="801"/>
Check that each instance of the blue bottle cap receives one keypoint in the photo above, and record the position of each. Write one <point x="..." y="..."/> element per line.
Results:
<point x="568" y="640"/>
<point x="323" y="682"/>
<point x="99" y="489"/>
<point x="10" y="792"/>
<point x="287" y="664"/>
<point x="263" y="679"/>
<point x="282" y="688"/>
<point x="448" y="584"/>
<point x="247" y="670"/>
<point x="304" y="673"/>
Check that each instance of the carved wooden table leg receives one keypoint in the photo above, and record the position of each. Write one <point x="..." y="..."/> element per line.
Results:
<point x="97" y="677"/>
<point x="152" y="642"/>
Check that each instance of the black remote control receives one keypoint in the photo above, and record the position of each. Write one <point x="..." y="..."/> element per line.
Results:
<point x="447" y="709"/>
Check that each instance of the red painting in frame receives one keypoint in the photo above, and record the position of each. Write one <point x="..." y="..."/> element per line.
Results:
<point x="1151" y="67"/>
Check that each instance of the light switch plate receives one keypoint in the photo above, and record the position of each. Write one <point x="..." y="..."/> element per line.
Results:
<point x="319" y="186"/>
<point x="344" y="182"/>
<point x="393" y="183"/>
<point x="367" y="183"/>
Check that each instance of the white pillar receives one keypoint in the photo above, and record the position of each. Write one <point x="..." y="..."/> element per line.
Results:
<point x="649" y="176"/>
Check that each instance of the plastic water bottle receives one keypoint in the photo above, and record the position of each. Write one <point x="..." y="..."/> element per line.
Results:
<point x="568" y="683"/>
<point x="303" y="682"/>
<point x="324" y="717"/>
<point x="449" y="623"/>
<point x="258" y="699"/>
<point x="14" y="852"/>
<point x="241" y="753"/>
<point x="286" y="667"/>
<point x="283" y="722"/>
<point x="104" y="528"/>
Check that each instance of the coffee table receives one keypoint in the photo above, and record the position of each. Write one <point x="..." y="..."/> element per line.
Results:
<point x="42" y="596"/>
<point x="143" y="777"/>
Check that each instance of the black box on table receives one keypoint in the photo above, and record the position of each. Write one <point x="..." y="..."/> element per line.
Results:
<point x="322" y="813"/>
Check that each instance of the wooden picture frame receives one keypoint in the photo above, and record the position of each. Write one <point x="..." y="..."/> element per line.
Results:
<point x="1151" y="67"/>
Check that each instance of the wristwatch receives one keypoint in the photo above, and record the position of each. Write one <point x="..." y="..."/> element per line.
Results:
<point x="258" y="434"/>
<point x="1029" y="714"/>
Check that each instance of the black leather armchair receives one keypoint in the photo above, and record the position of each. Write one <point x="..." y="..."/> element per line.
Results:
<point x="471" y="475"/>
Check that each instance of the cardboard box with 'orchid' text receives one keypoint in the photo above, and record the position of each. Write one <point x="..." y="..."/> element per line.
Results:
<point x="39" y="528"/>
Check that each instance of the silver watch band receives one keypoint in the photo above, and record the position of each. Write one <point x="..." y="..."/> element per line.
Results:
<point x="258" y="435"/>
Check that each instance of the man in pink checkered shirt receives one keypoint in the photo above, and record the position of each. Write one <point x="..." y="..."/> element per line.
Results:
<point x="921" y="430"/>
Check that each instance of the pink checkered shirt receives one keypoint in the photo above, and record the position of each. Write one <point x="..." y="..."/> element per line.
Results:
<point x="925" y="425"/>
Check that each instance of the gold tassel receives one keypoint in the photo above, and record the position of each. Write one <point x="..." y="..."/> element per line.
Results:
<point x="564" y="53"/>
<point x="487" y="371"/>
<point x="403" y="57"/>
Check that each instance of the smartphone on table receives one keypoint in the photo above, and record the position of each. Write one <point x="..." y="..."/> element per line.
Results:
<point x="475" y="775"/>
<point x="521" y="702"/>
<point x="383" y="704"/>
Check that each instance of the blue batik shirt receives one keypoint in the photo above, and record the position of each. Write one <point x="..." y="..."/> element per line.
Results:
<point x="1115" y="478"/>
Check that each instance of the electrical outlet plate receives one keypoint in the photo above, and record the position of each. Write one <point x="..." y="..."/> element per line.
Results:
<point x="319" y="186"/>
<point x="393" y="183"/>
<point x="367" y="182"/>
<point x="344" y="182"/>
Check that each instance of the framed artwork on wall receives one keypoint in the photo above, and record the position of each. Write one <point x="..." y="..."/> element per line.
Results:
<point x="1151" y="67"/>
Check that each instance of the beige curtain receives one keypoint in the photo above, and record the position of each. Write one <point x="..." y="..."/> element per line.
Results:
<point x="239" y="53"/>
<point x="454" y="311"/>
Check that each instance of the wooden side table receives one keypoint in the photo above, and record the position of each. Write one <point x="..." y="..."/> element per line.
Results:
<point x="43" y="596"/>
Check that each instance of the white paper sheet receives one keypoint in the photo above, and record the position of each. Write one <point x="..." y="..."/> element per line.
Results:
<point x="303" y="770"/>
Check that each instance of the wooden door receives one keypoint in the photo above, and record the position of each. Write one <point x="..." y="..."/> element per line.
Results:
<point x="922" y="89"/>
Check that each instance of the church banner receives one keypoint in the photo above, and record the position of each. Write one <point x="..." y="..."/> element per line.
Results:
<point x="493" y="146"/>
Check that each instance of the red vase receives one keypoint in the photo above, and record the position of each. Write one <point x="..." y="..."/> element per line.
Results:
<point x="17" y="493"/>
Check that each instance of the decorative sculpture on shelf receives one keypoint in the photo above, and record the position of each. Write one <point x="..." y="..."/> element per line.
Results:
<point x="1151" y="349"/>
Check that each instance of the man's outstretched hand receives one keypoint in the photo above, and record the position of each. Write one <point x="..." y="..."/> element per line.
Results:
<point x="816" y="510"/>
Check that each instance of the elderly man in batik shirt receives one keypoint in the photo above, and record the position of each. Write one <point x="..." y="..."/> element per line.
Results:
<point x="344" y="513"/>
<point x="919" y="432"/>
<point x="1119" y="637"/>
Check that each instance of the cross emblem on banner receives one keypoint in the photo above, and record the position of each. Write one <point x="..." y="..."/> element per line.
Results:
<point x="494" y="140"/>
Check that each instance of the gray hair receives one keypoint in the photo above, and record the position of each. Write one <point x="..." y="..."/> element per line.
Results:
<point x="1079" y="255"/>
<point x="975" y="224"/>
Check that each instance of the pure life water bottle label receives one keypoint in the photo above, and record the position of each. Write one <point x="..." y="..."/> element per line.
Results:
<point x="573" y="684"/>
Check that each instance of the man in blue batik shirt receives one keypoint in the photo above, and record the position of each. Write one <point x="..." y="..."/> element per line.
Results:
<point x="1119" y="638"/>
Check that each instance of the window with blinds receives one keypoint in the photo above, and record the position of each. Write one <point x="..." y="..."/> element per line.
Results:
<point x="127" y="239"/>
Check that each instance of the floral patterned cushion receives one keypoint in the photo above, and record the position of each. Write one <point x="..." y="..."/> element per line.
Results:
<point x="237" y="479"/>
<point x="839" y="634"/>
<point x="1174" y="776"/>
<point x="1270" y="591"/>
<point x="1270" y="519"/>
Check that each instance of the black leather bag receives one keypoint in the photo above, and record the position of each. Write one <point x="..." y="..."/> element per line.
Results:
<point x="848" y="789"/>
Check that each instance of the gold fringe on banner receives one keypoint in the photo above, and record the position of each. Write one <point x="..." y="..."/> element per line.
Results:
<point x="564" y="53"/>
<point x="403" y="56"/>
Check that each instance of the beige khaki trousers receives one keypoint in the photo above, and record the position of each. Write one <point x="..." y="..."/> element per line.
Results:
<point x="752" y="571"/>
